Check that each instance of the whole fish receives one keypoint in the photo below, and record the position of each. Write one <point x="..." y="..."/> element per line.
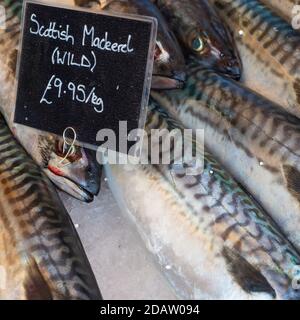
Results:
<point x="78" y="174"/>
<point x="203" y="34"/>
<point x="169" y="63"/>
<point x="41" y="256"/>
<point x="285" y="8"/>
<point x="211" y="238"/>
<point x="269" y="48"/>
<point x="257" y="141"/>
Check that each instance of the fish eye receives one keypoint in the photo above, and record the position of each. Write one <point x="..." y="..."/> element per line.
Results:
<point x="198" y="44"/>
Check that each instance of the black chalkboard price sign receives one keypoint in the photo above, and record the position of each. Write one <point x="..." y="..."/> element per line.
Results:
<point x="85" y="70"/>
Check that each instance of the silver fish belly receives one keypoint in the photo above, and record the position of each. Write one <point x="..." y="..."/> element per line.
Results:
<point x="212" y="240"/>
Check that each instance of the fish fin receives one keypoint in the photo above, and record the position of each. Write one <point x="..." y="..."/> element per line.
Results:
<point x="292" y="176"/>
<point x="249" y="278"/>
<point x="35" y="286"/>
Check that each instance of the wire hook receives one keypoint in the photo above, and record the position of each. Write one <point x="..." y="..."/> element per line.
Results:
<point x="66" y="144"/>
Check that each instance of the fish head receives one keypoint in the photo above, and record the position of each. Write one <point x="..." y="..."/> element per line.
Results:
<point x="169" y="71"/>
<point x="214" y="48"/>
<point x="169" y="62"/>
<point x="78" y="173"/>
<point x="204" y="35"/>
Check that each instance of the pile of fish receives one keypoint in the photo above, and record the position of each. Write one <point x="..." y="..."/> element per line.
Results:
<point x="230" y="67"/>
<point x="222" y="234"/>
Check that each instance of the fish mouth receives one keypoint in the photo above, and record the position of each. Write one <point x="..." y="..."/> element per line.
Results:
<point x="234" y="73"/>
<point x="69" y="186"/>
<point x="164" y="82"/>
<point x="232" y="70"/>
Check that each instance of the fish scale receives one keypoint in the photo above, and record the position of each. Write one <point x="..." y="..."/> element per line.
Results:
<point x="269" y="48"/>
<point x="40" y="249"/>
<point x="214" y="217"/>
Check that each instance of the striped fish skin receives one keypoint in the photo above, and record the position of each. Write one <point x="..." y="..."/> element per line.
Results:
<point x="282" y="7"/>
<point x="41" y="256"/>
<point x="169" y="63"/>
<point x="203" y="34"/>
<point x="257" y="141"/>
<point x="269" y="48"/>
<point x="80" y="174"/>
<point x="217" y="242"/>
